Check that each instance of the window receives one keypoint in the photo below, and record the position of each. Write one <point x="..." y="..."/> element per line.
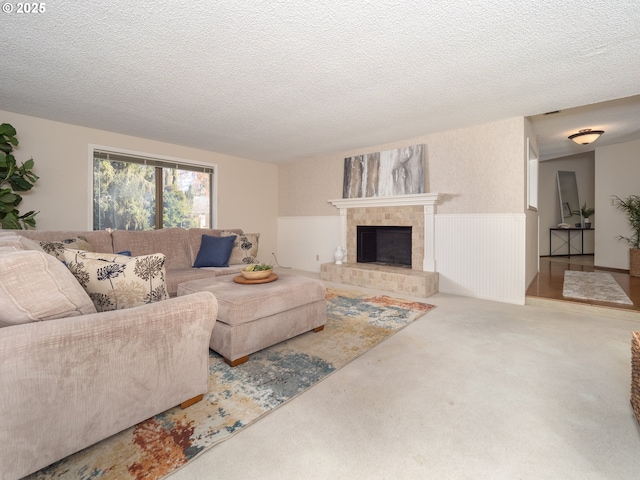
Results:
<point x="135" y="192"/>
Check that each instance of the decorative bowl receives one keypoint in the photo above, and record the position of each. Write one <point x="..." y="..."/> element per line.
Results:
<point x="257" y="275"/>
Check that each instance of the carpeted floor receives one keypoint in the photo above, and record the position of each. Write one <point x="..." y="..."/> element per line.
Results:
<point x="593" y="286"/>
<point x="239" y="396"/>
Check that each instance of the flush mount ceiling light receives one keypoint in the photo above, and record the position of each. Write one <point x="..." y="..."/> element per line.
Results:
<point x="586" y="136"/>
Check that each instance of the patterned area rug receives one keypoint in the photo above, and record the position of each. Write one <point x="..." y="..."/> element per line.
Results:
<point x="241" y="395"/>
<point x="593" y="286"/>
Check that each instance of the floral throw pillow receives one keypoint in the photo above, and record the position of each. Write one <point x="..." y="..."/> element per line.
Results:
<point x="57" y="248"/>
<point x="245" y="248"/>
<point x="122" y="283"/>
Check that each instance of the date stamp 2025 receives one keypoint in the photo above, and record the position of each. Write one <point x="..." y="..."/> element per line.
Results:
<point x="20" y="7"/>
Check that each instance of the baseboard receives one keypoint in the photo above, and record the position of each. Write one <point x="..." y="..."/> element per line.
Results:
<point x="609" y="269"/>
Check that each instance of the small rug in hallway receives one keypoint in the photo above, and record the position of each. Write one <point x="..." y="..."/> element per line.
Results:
<point x="593" y="286"/>
<point x="241" y="395"/>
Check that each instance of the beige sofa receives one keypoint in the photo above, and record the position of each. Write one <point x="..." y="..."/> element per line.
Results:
<point x="70" y="377"/>
<point x="179" y="245"/>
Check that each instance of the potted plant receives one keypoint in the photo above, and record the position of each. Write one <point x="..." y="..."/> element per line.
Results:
<point x="14" y="178"/>
<point x="586" y="213"/>
<point x="631" y="207"/>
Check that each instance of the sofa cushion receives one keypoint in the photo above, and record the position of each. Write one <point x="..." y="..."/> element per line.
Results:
<point x="19" y="242"/>
<point x="56" y="248"/>
<point x="100" y="240"/>
<point x="124" y="283"/>
<point x="35" y="286"/>
<point x="245" y="248"/>
<point x="172" y="242"/>
<point x="214" y="251"/>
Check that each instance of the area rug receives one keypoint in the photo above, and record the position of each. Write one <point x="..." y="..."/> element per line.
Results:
<point x="593" y="286"/>
<point x="241" y="395"/>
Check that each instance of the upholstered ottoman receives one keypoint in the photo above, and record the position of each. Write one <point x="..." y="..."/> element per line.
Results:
<point x="255" y="316"/>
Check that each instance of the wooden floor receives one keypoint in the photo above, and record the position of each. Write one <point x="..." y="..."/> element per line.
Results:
<point x="548" y="283"/>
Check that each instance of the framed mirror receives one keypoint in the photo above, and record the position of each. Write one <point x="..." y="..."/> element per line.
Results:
<point x="569" y="199"/>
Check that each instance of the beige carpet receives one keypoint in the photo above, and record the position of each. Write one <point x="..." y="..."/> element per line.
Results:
<point x="593" y="286"/>
<point x="477" y="390"/>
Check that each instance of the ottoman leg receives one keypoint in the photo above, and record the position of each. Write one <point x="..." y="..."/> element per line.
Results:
<point x="237" y="361"/>
<point x="191" y="401"/>
<point x="318" y="329"/>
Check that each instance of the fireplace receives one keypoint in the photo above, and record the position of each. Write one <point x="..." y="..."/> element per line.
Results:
<point x="417" y="211"/>
<point x="417" y="276"/>
<point x="384" y="245"/>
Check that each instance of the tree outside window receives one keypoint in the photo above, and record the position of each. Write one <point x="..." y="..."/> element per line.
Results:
<point x="139" y="193"/>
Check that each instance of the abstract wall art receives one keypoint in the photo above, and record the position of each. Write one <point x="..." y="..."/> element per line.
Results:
<point x="382" y="174"/>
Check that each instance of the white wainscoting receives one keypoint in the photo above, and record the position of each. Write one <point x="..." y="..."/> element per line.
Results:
<point x="301" y="239"/>
<point x="476" y="255"/>
<point x="482" y="255"/>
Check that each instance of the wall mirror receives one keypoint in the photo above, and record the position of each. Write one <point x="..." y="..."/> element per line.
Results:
<point x="569" y="200"/>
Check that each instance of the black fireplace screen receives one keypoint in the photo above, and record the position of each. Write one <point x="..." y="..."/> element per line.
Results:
<point x="384" y="245"/>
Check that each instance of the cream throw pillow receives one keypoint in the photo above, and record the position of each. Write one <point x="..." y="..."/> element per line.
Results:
<point x="57" y="248"/>
<point x="245" y="248"/>
<point x="124" y="282"/>
<point x="35" y="286"/>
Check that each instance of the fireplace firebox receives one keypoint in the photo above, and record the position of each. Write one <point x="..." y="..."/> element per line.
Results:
<point x="384" y="245"/>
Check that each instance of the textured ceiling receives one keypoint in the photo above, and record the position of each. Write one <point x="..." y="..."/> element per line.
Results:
<point x="282" y="80"/>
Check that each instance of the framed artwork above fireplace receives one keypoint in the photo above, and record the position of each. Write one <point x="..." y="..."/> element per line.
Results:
<point x="382" y="174"/>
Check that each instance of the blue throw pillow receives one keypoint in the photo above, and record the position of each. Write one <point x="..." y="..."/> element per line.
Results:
<point x="214" y="251"/>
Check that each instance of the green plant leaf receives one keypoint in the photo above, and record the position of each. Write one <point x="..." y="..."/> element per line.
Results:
<point x="7" y="129"/>
<point x="6" y="208"/>
<point x="19" y="177"/>
<point x="31" y="177"/>
<point x="19" y="184"/>
<point x="10" y="222"/>
<point x="6" y="196"/>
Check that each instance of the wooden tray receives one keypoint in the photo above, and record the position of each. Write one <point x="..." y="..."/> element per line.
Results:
<point x="245" y="281"/>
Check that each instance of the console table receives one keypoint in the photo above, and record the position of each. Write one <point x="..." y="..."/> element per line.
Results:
<point x="569" y="236"/>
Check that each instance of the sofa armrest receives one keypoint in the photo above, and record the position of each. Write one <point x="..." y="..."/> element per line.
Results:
<point x="68" y="383"/>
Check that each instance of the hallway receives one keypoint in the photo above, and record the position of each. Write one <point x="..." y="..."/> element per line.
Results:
<point x="549" y="281"/>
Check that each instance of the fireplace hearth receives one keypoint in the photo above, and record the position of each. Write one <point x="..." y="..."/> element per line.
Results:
<point x="384" y="245"/>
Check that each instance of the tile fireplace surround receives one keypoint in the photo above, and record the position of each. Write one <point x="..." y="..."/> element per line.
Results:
<point x="416" y="211"/>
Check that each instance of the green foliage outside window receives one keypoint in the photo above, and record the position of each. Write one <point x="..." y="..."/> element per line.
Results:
<point x="126" y="196"/>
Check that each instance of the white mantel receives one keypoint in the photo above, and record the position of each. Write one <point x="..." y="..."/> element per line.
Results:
<point x="427" y="200"/>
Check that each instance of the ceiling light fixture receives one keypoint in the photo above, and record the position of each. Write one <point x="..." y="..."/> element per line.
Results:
<point x="586" y="136"/>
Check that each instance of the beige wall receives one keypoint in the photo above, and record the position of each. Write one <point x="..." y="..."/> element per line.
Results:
<point x="479" y="168"/>
<point x="617" y="172"/>
<point x="62" y="195"/>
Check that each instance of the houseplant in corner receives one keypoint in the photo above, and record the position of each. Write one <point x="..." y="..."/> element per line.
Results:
<point x="631" y="207"/>
<point x="14" y="178"/>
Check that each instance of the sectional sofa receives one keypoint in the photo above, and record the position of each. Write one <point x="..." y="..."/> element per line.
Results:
<point x="70" y="376"/>
<point x="179" y="245"/>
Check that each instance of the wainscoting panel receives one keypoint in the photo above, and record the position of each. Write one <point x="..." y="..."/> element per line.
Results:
<point x="482" y="255"/>
<point x="305" y="243"/>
